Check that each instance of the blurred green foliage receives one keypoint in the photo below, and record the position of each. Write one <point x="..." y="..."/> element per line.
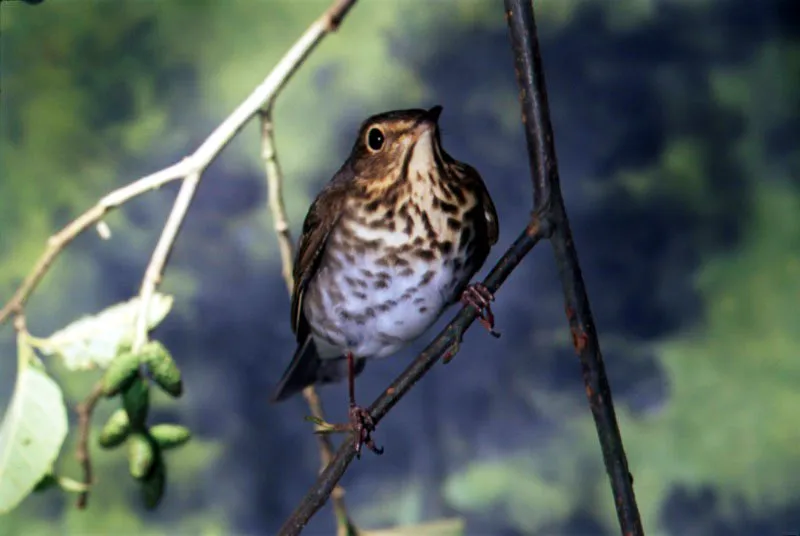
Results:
<point x="700" y="122"/>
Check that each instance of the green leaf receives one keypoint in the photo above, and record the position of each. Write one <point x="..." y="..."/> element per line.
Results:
<point x="116" y="430"/>
<point x="95" y="340"/>
<point x="136" y="401"/>
<point x="33" y="429"/>
<point x="170" y="436"/>
<point x="163" y="368"/>
<point x="141" y="455"/>
<point x="120" y="373"/>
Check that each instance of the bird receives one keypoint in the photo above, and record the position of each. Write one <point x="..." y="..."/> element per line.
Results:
<point x="388" y="244"/>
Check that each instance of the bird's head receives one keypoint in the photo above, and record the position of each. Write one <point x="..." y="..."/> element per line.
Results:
<point x="395" y="145"/>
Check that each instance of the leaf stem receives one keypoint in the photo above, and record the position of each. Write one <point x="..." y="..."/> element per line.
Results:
<point x="82" y="452"/>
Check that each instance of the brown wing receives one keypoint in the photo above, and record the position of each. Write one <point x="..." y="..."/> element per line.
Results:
<point x="320" y="221"/>
<point x="485" y="200"/>
<point x="492" y="223"/>
<point x="488" y="233"/>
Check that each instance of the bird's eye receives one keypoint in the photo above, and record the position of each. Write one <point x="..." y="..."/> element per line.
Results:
<point x="375" y="139"/>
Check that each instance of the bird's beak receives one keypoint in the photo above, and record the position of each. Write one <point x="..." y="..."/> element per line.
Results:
<point x="434" y="113"/>
<point x="430" y="120"/>
<point x="428" y="123"/>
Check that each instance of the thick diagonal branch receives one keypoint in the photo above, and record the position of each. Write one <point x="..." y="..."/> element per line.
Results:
<point x="547" y="196"/>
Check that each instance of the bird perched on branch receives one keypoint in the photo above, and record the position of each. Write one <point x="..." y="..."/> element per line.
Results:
<point x="388" y="244"/>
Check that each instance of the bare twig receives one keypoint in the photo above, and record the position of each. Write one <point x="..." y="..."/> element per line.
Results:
<point x="152" y="275"/>
<point x="445" y="342"/>
<point x="264" y="94"/>
<point x="187" y="168"/>
<point x="345" y="526"/>
<point x="275" y="197"/>
<point x="82" y="453"/>
<point x="57" y="242"/>
<point x="547" y="196"/>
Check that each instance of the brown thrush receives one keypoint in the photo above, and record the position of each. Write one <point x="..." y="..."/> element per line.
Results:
<point x="388" y="244"/>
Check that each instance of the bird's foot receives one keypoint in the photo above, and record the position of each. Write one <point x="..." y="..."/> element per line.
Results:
<point x="479" y="297"/>
<point x="362" y="425"/>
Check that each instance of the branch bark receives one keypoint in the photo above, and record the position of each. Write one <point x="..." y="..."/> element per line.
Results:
<point x="549" y="220"/>
<point x="548" y="198"/>
<point x="344" y="524"/>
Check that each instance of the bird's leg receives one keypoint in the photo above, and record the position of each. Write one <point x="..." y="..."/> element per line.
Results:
<point x="360" y="420"/>
<point x="479" y="297"/>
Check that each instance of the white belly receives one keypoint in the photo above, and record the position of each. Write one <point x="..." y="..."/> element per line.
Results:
<point x="374" y="310"/>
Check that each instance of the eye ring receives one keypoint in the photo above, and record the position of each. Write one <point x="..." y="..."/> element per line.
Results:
<point x="375" y="139"/>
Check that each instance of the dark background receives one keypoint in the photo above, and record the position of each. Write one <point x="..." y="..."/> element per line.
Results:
<point x="677" y="128"/>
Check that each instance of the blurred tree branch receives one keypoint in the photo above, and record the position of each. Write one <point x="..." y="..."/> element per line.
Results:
<point x="549" y="220"/>
<point x="344" y="525"/>
<point x="190" y="170"/>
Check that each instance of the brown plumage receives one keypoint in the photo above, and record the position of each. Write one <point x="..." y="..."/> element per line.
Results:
<point x="389" y="243"/>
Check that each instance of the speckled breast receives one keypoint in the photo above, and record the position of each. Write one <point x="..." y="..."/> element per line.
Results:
<point x="387" y="275"/>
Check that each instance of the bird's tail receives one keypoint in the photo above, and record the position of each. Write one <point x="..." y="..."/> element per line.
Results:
<point x="307" y="368"/>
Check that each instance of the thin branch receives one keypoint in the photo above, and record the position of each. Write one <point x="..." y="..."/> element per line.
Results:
<point x="57" y="242"/>
<point x="544" y="171"/>
<point x="82" y="453"/>
<point x="345" y="526"/>
<point x="445" y="343"/>
<point x="265" y="93"/>
<point x="194" y="164"/>
<point x="152" y="275"/>
<point x="275" y="198"/>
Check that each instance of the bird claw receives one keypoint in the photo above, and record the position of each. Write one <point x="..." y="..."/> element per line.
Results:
<point x="479" y="297"/>
<point x="362" y="425"/>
